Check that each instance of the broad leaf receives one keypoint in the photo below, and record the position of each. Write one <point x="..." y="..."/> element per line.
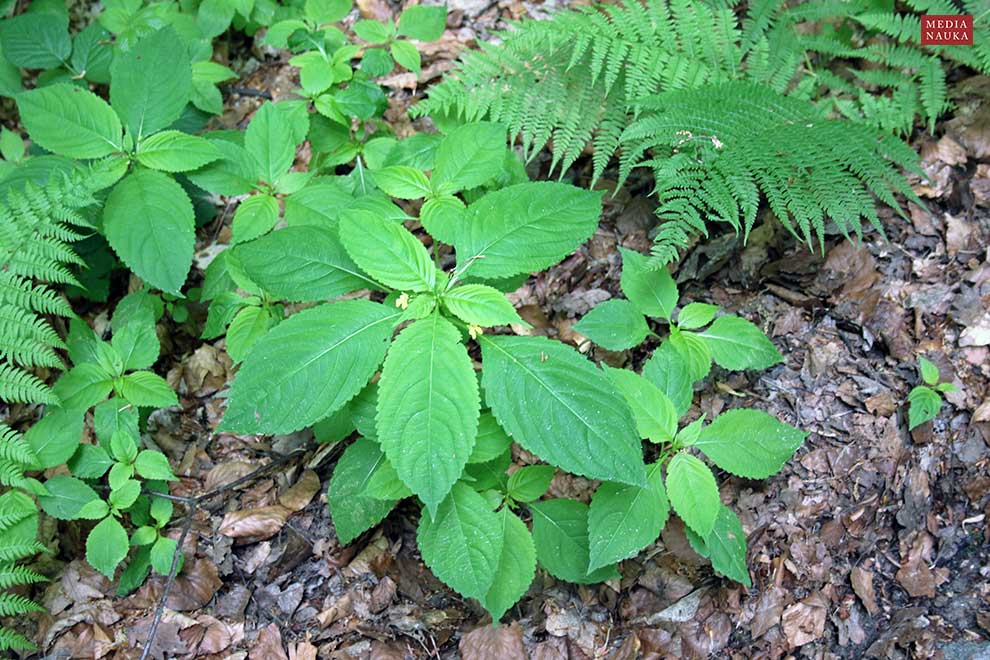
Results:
<point x="143" y="388"/>
<point x="623" y="519"/>
<point x="385" y="484"/>
<point x="163" y="554"/>
<point x="66" y="497"/>
<point x="652" y="291"/>
<point x="302" y="264"/>
<point x="387" y="251"/>
<point x="82" y="387"/>
<point x="36" y="40"/>
<point x="153" y="465"/>
<point x="693" y="492"/>
<point x="136" y="343"/>
<point x="929" y="372"/>
<point x="151" y="82"/>
<point x="749" y="443"/>
<point x="247" y="327"/>
<point x="90" y="462"/>
<point x="55" y="437"/>
<point x="726" y="546"/>
<point x="696" y="315"/>
<point x="270" y="143"/>
<point x="481" y="305"/>
<point x="491" y="442"/>
<point x="923" y="405"/>
<point x="737" y="344"/>
<point x="309" y="366"/>
<point x="231" y="174"/>
<point x="469" y="156"/>
<point x="407" y="55"/>
<point x="530" y="482"/>
<point x="516" y="566"/>
<point x="694" y="352"/>
<point x="352" y="511"/>
<point x="106" y="546"/>
<point x="403" y="182"/>
<point x="668" y="371"/>
<point x="559" y="406"/>
<point x="560" y="533"/>
<point x="254" y="217"/>
<point x="174" y="151"/>
<point x="148" y="220"/>
<point x="615" y="325"/>
<point x="423" y="23"/>
<point x="70" y="121"/>
<point x="525" y="228"/>
<point x="428" y="408"/>
<point x="653" y="411"/>
<point x="462" y="543"/>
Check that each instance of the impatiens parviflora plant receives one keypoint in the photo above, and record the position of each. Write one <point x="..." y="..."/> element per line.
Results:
<point x="119" y="369"/>
<point x="148" y="217"/>
<point x="924" y="401"/>
<point x="429" y="429"/>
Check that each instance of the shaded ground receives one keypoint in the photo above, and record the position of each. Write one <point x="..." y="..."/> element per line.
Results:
<point x="872" y="542"/>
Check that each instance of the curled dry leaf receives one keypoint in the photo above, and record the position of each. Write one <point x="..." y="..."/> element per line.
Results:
<point x="195" y="587"/>
<point x="257" y="524"/>
<point x="298" y="496"/>
<point x="862" y="583"/>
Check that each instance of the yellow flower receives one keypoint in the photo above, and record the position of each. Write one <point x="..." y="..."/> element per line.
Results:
<point x="475" y="331"/>
<point x="402" y="301"/>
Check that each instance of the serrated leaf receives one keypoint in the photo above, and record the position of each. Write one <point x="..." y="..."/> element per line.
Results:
<point x="174" y="151"/>
<point x="70" y="121"/>
<point x="469" y="156"/>
<point x="90" y="462"/>
<point x="317" y="267"/>
<point x="55" y="437"/>
<point x="231" y="174"/>
<point x="423" y="23"/>
<point x="406" y="55"/>
<point x="309" y="366"/>
<point x="385" y="484"/>
<point x="653" y="411"/>
<point x="923" y="405"/>
<point x="615" y="325"/>
<point x="694" y="353"/>
<point x="163" y="554"/>
<point x="737" y="344"/>
<point x="136" y="343"/>
<point x="106" y="546"/>
<point x="428" y="408"/>
<point x="387" y="251"/>
<point x="443" y="217"/>
<point x="749" y="443"/>
<point x="623" y="519"/>
<point x="491" y="442"/>
<point x="148" y="220"/>
<point x="667" y="370"/>
<point x="524" y="228"/>
<point x="36" y="40"/>
<point x="653" y="292"/>
<point x="82" y="387"/>
<point x="124" y="494"/>
<point x="255" y="216"/>
<point x="351" y="509"/>
<point x="402" y="181"/>
<point x="462" y="543"/>
<point x="481" y="305"/>
<point x="247" y="327"/>
<point x="929" y="372"/>
<point x="327" y="11"/>
<point x="530" y="482"/>
<point x="143" y="388"/>
<point x="270" y="142"/>
<point x="516" y="566"/>
<point x="559" y="406"/>
<point x="153" y="465"/>
<point x="726" y="546"/>
<point x="560" y="534"/>
<point x="693" y="492"/>
<point x="151" y="82"/>
<point x="66" y="497"/>
<point x="696" y="315"/>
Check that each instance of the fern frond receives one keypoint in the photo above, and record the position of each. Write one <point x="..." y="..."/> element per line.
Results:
<point x="12" y="605"/>
<point x="13" y="576"/>
<point x="9" y="640"/>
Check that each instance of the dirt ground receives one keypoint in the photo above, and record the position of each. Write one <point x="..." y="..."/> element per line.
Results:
<point x="872" y="541"/>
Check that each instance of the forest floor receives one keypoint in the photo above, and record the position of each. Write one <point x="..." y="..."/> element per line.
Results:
<point x="872" y="541"/>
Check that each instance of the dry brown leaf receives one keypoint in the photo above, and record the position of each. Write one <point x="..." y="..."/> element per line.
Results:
<point x="768" y="611"/>
<point x="225" y="473"/>
<point x="195" y="587"/>
<point x="268" y="646"/>
<point x="489" y="642"/>
<point x="804" y="622"/>
<point x="302" y="651"/>
<point x="257" y="524"/>
<point x="299" y="495"/>
<point x="862" y="583"/>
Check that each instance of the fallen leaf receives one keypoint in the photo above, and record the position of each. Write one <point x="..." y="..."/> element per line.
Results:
<point x="804" y="622"/>
<point x="268" y="646"/>
<point x="302" y="651"/>
<point x="195" y="587"/>
<point x="862" y="583"/>
<point x="299" y="495"/>
<point x="257" y="524"/>
<point x="493" y="642"/>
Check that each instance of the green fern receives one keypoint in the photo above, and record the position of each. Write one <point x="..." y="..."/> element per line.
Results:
<point x="716" y="151"/>
<point x="18" y="527"/>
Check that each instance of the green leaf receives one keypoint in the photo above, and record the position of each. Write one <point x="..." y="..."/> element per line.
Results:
<point x="530" y="483"/>
<point x="153" y="465"/>
<point x="92" y="53"/>
<point x="174" y="151"/>
<point x="654" y="413"/>
<point x="406" y="55"/>
<point x="327" y="11"/>
<point x="66" y="497"/>
<point x="525" y="228"/>
<point x="423" y="23"/>
<point x="270" y="142"/>
<point x="150" y="84"/>
<point x="385" y="484"/>
<point x="232" y="174"/>
<point x="462" y="543"/>
<point x="319" y="269"/>
<point x="469" y="156"/>
<point x="615" y="325"/>
<point x="309" y="366"/>
<point x="352" y="510"/>
<point x="749" y="443"/>
<point x="163" y="554"/>
<point x="11" y="145"/>
<point x="93" y="510"/>
<point x="55" y="437"/>
<point x="693" y="493"/>
<point x="136" y="343"/>
<point x="387" y="251"/>
<point x="559" y="406"/>
<point x="136" y="572"/>
<point x="726" y="546"/>
<point x="696" y="315"/>
<point x="316" y="72"/>
<point x="516" y="566"/>
<point x="145" y="389"/>
<point x="654" y="292"/>
<point x="254" y="217"/>
<point x="924" y="404"/>
<point x="560" y="533"/>
<point x="737" y="344"/>
<point x="623" y="519"/>
<point x="667" y="370"/>
<point x="82" y="387"/>
<point x="113" y="415"/>
<point x="247" y="327"/>
<point x="148" y="220"/>
<point x="90" y="462"/>
<point x="70" y="121"/>
<point x="123" y="446"/>
<point x="929" y="372"/>
<point x="125" y="494"/>
<point x="403" y="182"/>
<point x="371" y="31"/>
<point x="491" y="442"/>
<point x="106" y="546"/>
<point x="481" y="305"/>
<point x="36" y="40"/>
<point x="428" y="408"/>
<point x="144" y="536"/>
<point x="694" y="352"/>
<point x="443" y="217"/>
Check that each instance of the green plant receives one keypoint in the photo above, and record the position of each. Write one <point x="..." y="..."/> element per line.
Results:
<point x="428" y="428"/>
<point x="18" y="528"/>
<point x="924" y="401"/>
